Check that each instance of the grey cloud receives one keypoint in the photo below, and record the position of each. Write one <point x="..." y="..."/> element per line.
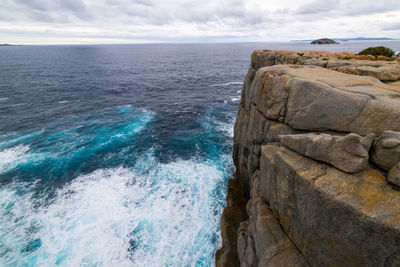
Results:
<point x="42" y="5"/>
<point x="73" y="5"/>
<point x="317" y="7"/>
<point x="392" y="27"/>
<point x="336" y="8"/>
<point x="50" y="10"/>
<point x="211" y="19"/>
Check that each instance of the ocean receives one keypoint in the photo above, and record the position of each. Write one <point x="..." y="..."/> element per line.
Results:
<point x="118" y="155"/>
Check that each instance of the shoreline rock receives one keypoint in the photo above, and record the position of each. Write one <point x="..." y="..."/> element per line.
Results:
<point x="302" y="146"/>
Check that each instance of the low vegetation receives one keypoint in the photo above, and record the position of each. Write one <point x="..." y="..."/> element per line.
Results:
<point x="377" y="51"/>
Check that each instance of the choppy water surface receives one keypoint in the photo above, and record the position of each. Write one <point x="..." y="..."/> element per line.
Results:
<point x="118" y="155"/>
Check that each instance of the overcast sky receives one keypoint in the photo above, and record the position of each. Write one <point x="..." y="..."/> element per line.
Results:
<point x="144" y="21"/>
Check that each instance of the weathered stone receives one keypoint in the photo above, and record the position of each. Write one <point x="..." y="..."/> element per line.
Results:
<point x="330" y="217"/>
<point x="394" y="174"/>
<point x="334" y="218"/>
<point x="232" y="216"/>
<point x="348" y="153"/>
<point x="317" y="106"/>
<point x="313" y="98"/>
<point x="261" y="241"/>
<point x="247" y="256"/>
<point x="321" y="99"/>
<point x="386" y="150"/>
<point x="273" y="129"/>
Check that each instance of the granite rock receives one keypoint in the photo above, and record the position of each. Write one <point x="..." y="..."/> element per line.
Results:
<point x="348" y="153"/>
<point x="323" y="205"/>
<point x="333" y="218"/>
<point x="386" y="150"/>
<point x="261" y="241"/>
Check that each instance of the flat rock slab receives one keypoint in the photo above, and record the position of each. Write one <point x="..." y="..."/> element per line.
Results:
<point x="348" y="153"/>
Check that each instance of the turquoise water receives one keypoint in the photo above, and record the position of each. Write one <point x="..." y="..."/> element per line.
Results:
<point x="135" y="210"/>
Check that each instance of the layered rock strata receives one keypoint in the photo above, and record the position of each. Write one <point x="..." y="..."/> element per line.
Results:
<point x="316" y="150"/>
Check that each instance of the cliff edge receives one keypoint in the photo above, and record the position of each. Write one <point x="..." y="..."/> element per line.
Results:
<point x="317" y="156"/>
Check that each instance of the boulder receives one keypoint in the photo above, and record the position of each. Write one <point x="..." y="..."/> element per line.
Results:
<point x="348" y="153"/>
<point x="386" y="150"/>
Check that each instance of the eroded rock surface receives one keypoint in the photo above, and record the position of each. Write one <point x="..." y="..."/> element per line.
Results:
<point x="386" y="150"/>
<point x="334" y="218"/>
<point x="297" y="111"/>
<point x="348" y="153"/>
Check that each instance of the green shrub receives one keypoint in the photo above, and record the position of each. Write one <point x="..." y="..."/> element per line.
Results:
<point x="300" y="54"/>
<point x="377" y="51"/>
<point x="347" y="58"/>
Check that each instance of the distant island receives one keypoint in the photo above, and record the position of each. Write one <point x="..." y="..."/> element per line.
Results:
<point x="6" y="45"/>
<point x="324" y="41"/>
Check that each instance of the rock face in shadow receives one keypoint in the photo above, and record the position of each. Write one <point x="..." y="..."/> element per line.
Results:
<point x="302" y="146"/>
<point x="348" y="153"/>
<point x="232" y="215"/>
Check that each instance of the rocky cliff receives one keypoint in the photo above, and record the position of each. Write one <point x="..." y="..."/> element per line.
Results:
<point x="317" y="152"/>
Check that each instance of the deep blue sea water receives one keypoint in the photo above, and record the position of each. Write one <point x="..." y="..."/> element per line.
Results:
<point x="118" y="155"/>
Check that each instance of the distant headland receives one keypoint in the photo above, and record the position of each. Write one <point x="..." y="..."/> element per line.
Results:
<point x="351" y="39"/>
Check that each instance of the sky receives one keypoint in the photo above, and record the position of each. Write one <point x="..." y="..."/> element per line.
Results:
<point x="160" y="21"/>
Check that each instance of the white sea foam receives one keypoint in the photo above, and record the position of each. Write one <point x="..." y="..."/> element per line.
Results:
<point x="166" y="215"/>
<point x="63" y="102"/>
<point x="17" y="104"/>
<point x="227" y="84"/>
<point x="235" y="99"/>
<point x="12" y="156"/>
<point x="226" y="127"/>
<point x="3" y="98"/>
